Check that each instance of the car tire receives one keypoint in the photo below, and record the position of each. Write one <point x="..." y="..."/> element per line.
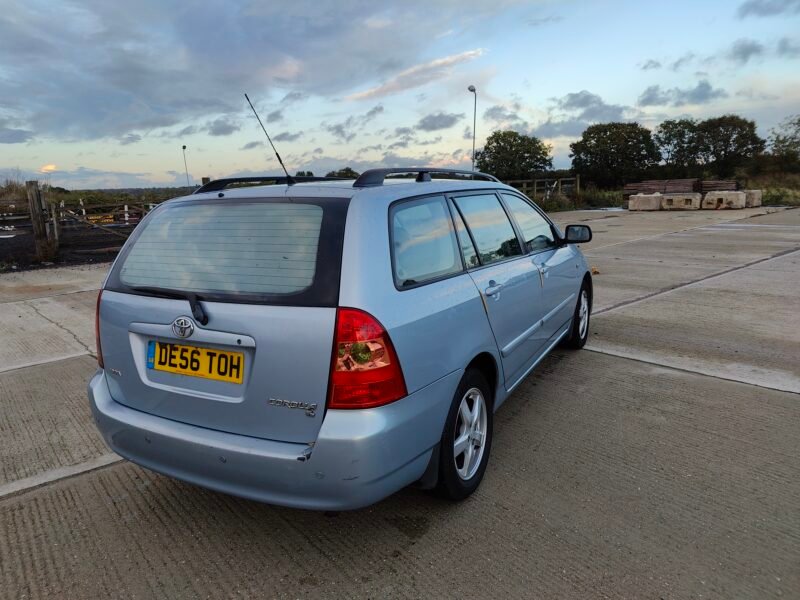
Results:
<point x="579" y="331"/>
<point x="461" y="467"/>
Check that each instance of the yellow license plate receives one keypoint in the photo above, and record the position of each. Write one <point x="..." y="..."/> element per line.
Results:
<point x="209" y="363"/>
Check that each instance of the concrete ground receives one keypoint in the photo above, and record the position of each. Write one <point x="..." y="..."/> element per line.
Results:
<point x="663" y="461"/>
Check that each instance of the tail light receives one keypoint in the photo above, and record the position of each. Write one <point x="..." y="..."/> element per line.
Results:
<point x="97" y="331"/>
<point x="365" y="371"/>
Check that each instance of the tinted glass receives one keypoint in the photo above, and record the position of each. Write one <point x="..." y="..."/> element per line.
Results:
<point x="467" y="247"/>
<point x="424" y="241"/>
<point x="535" y="229"/>
<point x="266" y="251"/>
<point x="490" y="227"/>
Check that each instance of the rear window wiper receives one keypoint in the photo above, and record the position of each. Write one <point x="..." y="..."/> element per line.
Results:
<point x="193" y="299"/>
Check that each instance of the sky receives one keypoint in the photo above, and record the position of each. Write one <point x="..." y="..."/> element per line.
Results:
<point x="98" y="94"/>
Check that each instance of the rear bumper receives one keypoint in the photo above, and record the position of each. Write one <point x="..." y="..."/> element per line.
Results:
<point x="359" y="457"/>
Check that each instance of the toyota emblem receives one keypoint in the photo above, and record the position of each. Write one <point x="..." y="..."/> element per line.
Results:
<point x="183" y="327"/>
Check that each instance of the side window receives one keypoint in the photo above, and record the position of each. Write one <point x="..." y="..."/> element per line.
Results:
<point x="467" y="247"/>
<point x="490" y="227"/>
<point x="424" y="242"/>
<point x="535" y="229"/>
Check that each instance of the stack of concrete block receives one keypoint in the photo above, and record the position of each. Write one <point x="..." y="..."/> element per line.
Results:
<point x="689" y="201"/>
<point x="719" y="200"/>
<point x="752" y="198"/>
<point x="644" y="202"/>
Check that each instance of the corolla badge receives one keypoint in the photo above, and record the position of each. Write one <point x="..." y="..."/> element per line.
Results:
<point x="309" y="408"/>
<point x="183" y="327"/>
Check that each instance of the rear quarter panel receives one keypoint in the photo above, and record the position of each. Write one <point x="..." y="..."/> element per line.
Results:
<point x="436" y="328"/>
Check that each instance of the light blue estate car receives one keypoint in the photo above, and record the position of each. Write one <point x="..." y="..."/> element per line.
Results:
<point x="322" y="344"/>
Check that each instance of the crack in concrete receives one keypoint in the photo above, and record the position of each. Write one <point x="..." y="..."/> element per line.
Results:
<point x="60" y="326"/>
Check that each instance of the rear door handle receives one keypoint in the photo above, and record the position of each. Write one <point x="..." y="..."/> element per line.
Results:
<point x="493" y="289"/>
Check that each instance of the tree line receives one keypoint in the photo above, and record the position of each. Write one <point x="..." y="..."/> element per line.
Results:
<point x="612" y="154"/>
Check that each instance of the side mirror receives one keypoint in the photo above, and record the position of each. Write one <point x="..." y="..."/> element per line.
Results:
<point x="578" y="234"/>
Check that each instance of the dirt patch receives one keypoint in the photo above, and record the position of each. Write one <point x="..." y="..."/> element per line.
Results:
<point x="79" y="246"/>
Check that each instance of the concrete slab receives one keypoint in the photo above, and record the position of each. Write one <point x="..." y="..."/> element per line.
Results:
<point x="50" y="282"/>
<point x="45" y="419"/>
<point x="644" y="202"/>
<point x="724" y="200"/>
<point x="752" y="198"/>
<point x="613" y="228"/>
<point x="743" y="326"/>
<point x="609" y="478"/>
<point x="46" y="329"/>
<point x="623" y="279"/>
<point x="681" y="201"/>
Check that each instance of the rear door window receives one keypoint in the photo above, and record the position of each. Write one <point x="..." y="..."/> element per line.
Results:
<point x="424" y="244"/>
<point x="490" y="227"/>
<point x="249" y="251"/>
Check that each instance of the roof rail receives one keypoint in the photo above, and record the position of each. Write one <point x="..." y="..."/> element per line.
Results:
<point x="221" y="184"/>
<point x="376" y="176"/>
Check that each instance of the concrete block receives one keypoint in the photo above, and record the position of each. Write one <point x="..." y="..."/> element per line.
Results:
<point x="752" y="198"/>
<point x="688" y="201"/>
<point x="719" y="200"/>
<point x="644" y="202"/>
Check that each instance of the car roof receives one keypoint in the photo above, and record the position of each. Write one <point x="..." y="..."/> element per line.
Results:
<point x="392" y="188"/>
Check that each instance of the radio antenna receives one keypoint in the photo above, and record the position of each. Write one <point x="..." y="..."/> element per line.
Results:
<point x="289" y="179"/>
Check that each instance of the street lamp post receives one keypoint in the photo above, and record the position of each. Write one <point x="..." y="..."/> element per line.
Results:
<point x="474" y="121"/>
<point x="185" y="167"/>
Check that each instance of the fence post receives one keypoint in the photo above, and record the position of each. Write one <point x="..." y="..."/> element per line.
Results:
<point x="43" y="248"/>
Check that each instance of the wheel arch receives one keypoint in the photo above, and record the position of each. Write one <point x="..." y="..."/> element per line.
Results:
<point x="487" y="365"/>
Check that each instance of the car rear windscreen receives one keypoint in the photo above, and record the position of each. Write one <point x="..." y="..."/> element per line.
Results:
<point x="270" y="250"/>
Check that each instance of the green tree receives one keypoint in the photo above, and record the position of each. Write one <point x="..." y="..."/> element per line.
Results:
<point x="678" y="143"/>
<point x="510" y="155"/>
<point x="610" y="154"/>
<point x="784" y="143"/>
<point x="347" y="173"/>
<point x="728" y="142"/>
<point x="304" y="174"/>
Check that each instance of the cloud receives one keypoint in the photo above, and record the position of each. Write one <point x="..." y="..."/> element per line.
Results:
<point x="654" y="96"/>
<point x="788" y="48"/>
<point x="591" y="107"/>
<point x="417" y="75"/>
<point x="744" y="49"/>
<point x="372" y="148"/>
<point x="681" y="62"/>
<point x="287" y="136"/>
<point x="560" y="128"/>
<point x="130" y="138"/>
<point x="702" y="93"/>
<point x="372" y="113"/>
<point x="275" y="115"/>
<point x="650" y="64"/>
<point x="768" y="8"/>
<point x="504" y="117"/>
<point x="252" y="145"/>
<point x="88" y="178"/>
<point x="344" y="131"/>
<point x="572" y="113"/>
<point x="437" y="121"/>
<point x="292" y="97"/>
<point x="14" y="136"/>
<point x="97" y="80"/>
<point x="467" y="133"/>
<point x="222" y="126"/>
<point x="540" y="21"/>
